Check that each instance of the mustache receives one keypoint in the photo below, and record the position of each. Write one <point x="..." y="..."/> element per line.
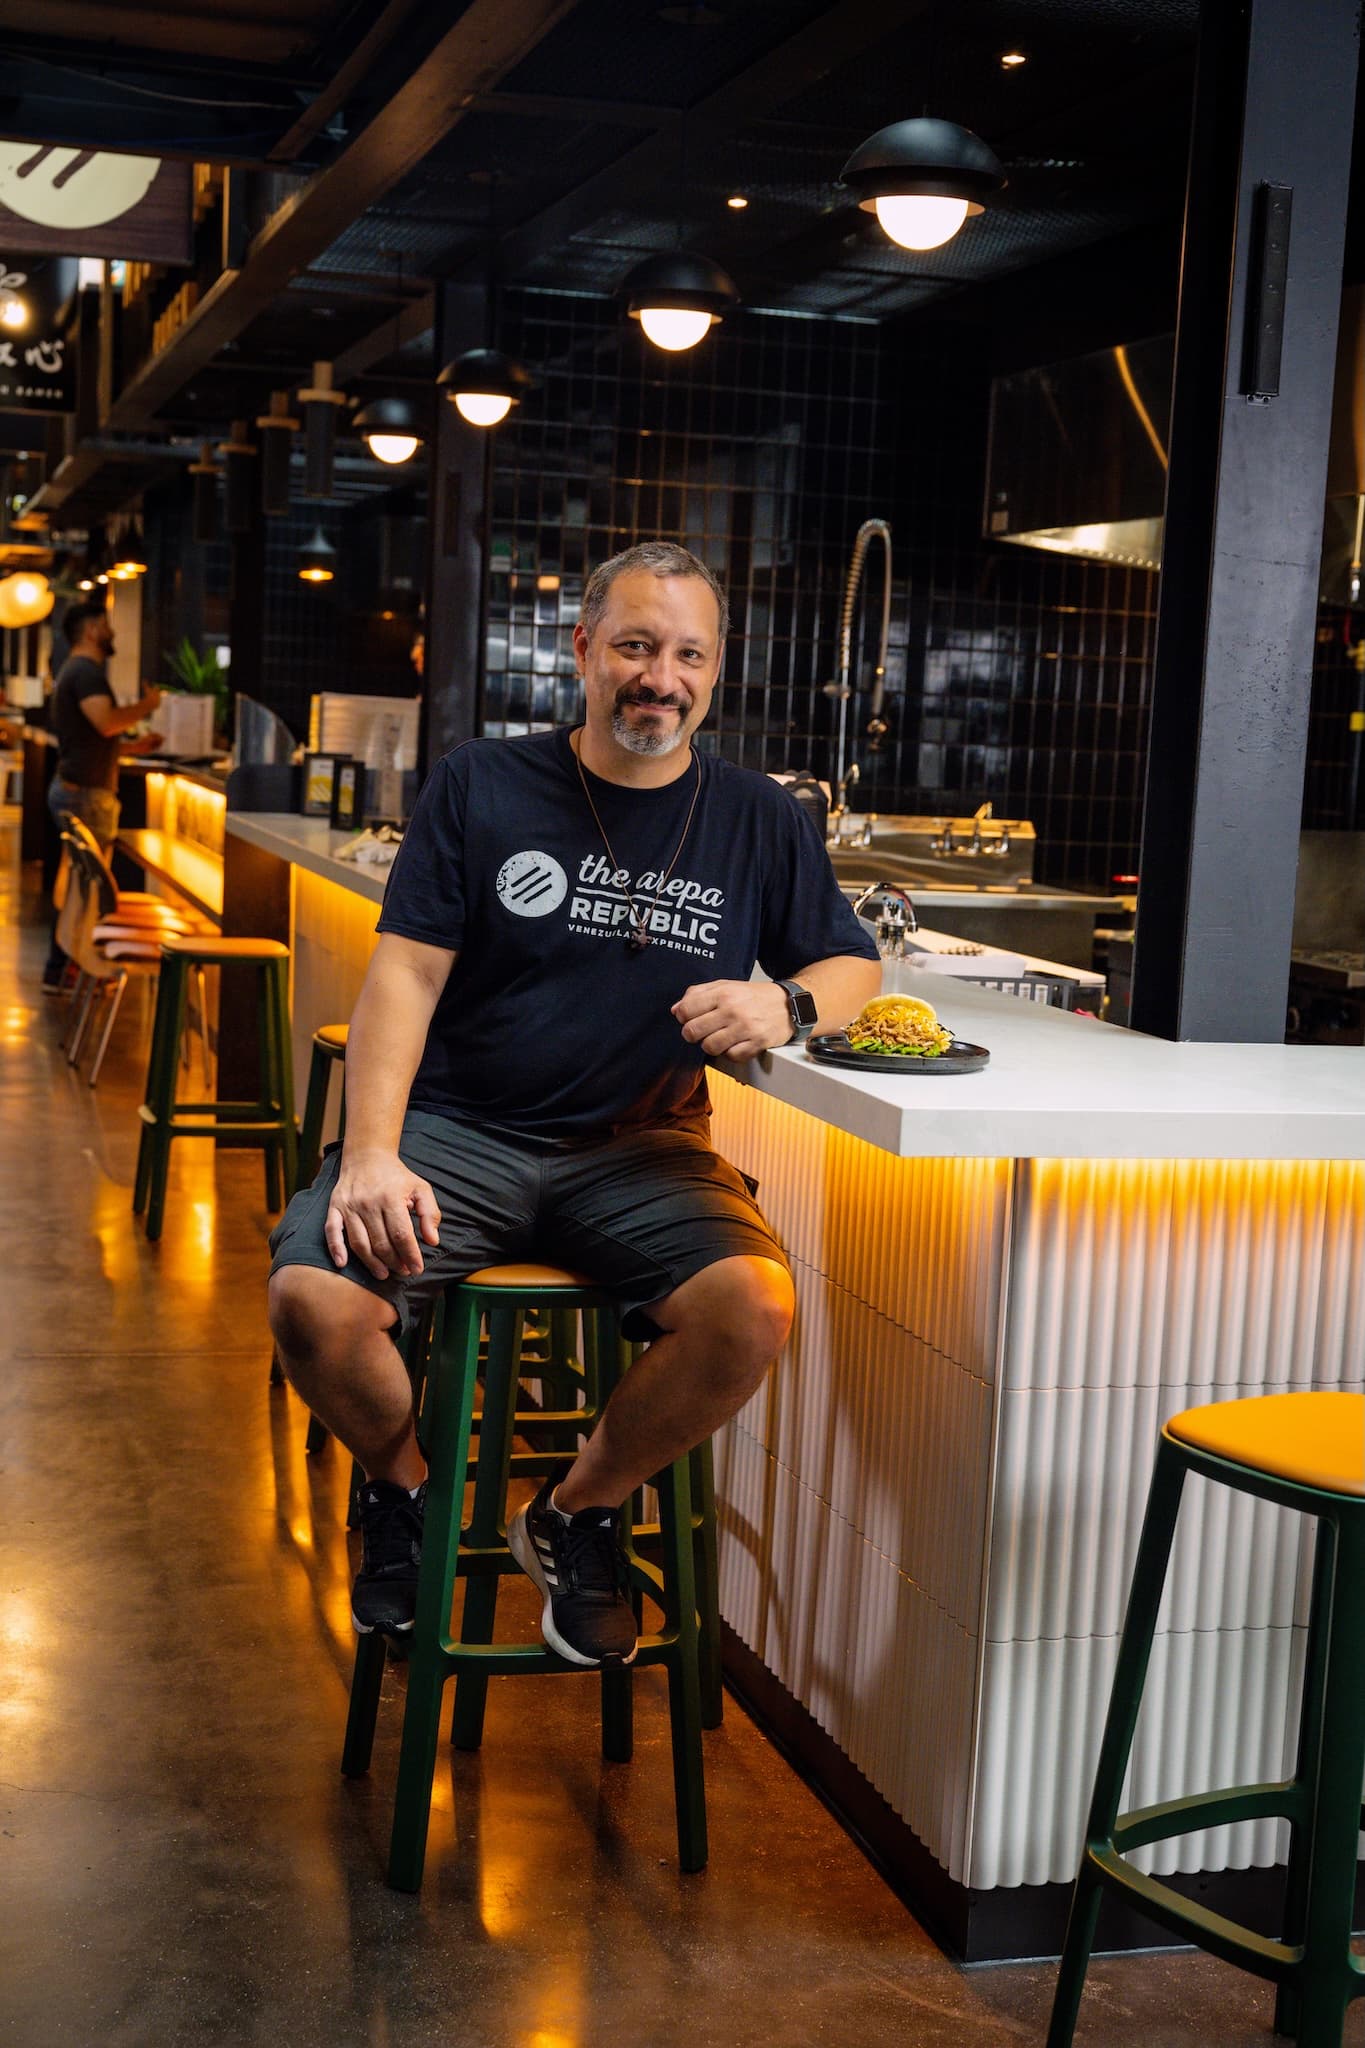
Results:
<point x="665" y="700"/>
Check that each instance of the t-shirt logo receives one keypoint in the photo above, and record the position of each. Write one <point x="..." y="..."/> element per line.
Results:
<point x="531" y="884"/>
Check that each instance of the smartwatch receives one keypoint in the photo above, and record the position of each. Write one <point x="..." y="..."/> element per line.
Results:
<point x="804" y="1011"/>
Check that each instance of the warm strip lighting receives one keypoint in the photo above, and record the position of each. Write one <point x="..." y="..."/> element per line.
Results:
<point x="316" y="575"/>
<point x="737" y="202"/>
<point x="674" y="327"/>
<point x="918" y="221"/>
<point x="482" y="408"/>
<point x="1010" y="60"/>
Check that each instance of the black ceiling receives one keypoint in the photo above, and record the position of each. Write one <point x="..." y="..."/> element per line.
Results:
<point x="617" y="125"/>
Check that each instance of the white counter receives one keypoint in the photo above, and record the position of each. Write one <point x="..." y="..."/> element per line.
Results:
<point x="1060" y="1086"/>
<point x="309" y="843"/>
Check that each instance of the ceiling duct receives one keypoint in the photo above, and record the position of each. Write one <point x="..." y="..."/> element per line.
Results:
<point x="1078" y="453"/>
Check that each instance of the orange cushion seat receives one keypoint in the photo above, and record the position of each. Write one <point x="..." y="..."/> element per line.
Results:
<point x="1311" y="1439"/>
<point x="526" y="1277"/>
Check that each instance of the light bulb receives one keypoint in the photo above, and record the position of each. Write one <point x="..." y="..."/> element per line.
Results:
<point x="482" y="408"/>
<point x="318" y="575"/>
<point x="917" y="221"/>
<point x="13" y="312"/>
<point x="27" y="590"/>
<point x="674" y="327"/>
<point x="392" y="447"/>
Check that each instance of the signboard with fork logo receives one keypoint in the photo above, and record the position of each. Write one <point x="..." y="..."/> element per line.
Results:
<point x="88" y="202"/>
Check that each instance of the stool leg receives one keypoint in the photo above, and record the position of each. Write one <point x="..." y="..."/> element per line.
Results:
<point x="1135" y="1649"/>
<point x="1306" y="1771"/>
<point x="269" y="1064"/>
<point x="488" y="1519"/>
<point x="163" y="1095"/>
<point x="366" y="1685"/>
<point x="684" y="1687"/>
<point x="449" y="1405"/>
<point x="119" y="986"/>
<point x="1326" y="1978"/>
<point x="314" y="1116"/>
<point x="707" y="1565"/>
<point x="318" y="1437"/>
<point x="279" y="988"/>
<point x="618" y="1685"/>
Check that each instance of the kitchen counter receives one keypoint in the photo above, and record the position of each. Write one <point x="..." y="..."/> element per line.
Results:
<point x="310" y="844"/>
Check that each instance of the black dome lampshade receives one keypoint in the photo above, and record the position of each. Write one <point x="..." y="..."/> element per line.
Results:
<point x="484" y="384"/>
<point x="678" y="297"/>
<point x="393" y="428"/>
<point x="922" y="178"/>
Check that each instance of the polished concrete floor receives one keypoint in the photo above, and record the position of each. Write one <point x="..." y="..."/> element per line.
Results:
<point x="180" y="1861"/>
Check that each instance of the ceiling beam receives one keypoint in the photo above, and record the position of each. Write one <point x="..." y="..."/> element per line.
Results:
<point x="490" y="37"/>
<point x="417" y="318"/>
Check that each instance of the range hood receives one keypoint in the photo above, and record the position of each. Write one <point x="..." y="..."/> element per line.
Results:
<point x="1077" y="459"/>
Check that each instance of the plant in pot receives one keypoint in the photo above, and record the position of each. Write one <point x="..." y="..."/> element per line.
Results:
<point x="200" y="675"/>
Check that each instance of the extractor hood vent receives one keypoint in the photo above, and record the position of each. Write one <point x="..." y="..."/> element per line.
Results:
<point x="1077" y="459"/>
<point x="1078" y="454"/>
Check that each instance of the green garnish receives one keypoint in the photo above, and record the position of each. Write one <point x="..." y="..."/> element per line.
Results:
<point x="900" y="1052"/>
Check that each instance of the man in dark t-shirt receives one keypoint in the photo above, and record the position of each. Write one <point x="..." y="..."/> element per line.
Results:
<point x="90" y="728"/>
<point x="568" y="934"/>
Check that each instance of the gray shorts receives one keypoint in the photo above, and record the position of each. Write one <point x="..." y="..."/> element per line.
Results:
<point x="638" y="1213"/>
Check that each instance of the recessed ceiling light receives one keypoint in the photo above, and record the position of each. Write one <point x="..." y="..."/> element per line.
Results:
<point x="737" y="202"/>
<point x="1010" y="60"/>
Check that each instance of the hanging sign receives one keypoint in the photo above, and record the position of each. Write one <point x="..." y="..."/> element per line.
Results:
<point x="37" y="364"/>
<point x="91" y="202"/>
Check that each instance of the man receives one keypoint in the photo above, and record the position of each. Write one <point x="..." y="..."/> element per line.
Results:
<point x="568" y="933"/>
<point x="89" y="725"/>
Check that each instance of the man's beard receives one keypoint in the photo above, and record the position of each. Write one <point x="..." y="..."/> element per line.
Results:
<point x="637" y="740"/>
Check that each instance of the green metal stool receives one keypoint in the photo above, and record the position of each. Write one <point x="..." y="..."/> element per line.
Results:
<point x="329" y="1051"/>
<point x="1307" y="1452"/>
<point x="267" y="1123"/>
<point x="480" y="1553"/>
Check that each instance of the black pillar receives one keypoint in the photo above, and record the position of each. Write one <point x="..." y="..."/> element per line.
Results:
<point x="1270" y="160"/>
<point x="452" y="690"/>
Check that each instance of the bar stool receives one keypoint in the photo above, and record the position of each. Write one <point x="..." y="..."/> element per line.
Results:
<point x="1307" y="1452"/>
<point x="267" y="1122"/>
<point x="480" y="1554"/>
<point x="329" y="1051"/>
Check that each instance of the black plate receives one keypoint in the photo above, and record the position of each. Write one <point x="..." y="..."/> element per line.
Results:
<point x="833" y="1050"/>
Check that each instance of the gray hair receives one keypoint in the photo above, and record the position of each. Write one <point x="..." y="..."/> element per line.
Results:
<point x="660" y="558"/>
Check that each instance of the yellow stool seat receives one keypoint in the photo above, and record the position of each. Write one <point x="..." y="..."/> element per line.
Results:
<point x="332" y="1038"/>
<point x="209" y="946"/>
<point x="527" y="1277"/>
<point x="1311" y="1439"/>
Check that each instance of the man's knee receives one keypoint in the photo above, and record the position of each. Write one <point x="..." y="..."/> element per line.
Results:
<point x="313" y="1313"/>
<point x="744" y="1307"/>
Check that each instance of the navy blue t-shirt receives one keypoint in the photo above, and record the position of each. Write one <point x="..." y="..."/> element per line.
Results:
<point x="549" y="1023"/>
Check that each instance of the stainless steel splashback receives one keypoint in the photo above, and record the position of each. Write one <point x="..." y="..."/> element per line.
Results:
<point x="921" y="851"/>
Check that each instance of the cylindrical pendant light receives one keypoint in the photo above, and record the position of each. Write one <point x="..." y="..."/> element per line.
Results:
<point x="25" y="599"/>
<point x="277" y="430"/>
<point x="678" y="297"/>
<point x="922" y="179"/>
<point x="130" y="555"/>
<point x="484" y="384"/>
<point x="239" y="463"/>
<point x="205" y="505"/>
<point x="320" y="404"/>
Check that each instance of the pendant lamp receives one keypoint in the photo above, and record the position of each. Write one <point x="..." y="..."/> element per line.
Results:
<point x="25" y="599"/>
<point x="130" y="555"/>
<point x="678" y="297"/>
<point x="320" y="405"/>
<point x="922" y="179"/>
<point x="205" y="500"/>
<point x="391" y="428"/>
<point x="484" y="384"/>
<point x="318" y="560"/>
<point x="277" y="430"/>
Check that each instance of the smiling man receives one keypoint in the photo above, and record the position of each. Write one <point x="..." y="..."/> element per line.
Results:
<point x="568" y="934"/>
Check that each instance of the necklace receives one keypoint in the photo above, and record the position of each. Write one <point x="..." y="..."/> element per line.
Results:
<point x="637" y="938"/>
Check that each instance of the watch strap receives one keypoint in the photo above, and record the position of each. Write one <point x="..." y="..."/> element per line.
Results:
<point x="801" y="1026"/>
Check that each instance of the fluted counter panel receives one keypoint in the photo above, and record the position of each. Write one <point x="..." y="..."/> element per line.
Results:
<point x="930" y="1511"/>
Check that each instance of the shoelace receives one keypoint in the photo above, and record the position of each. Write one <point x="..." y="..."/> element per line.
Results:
<point x="592" y="1561"/>
<point x="388" y="1545"/>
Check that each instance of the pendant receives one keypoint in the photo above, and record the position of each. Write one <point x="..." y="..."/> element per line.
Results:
<point x="637" y="938"/>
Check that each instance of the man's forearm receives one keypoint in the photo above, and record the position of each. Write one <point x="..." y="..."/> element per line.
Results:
<point x="383" y="1050"/>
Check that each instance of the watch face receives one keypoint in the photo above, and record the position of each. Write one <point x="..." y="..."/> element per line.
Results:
<point x="805" y="1009"/>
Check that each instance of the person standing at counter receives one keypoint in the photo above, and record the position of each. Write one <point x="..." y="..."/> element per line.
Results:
<point x="567" y="935"/>
<point x="90" y="725"/>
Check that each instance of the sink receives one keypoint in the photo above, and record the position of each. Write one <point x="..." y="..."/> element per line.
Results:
<point x="909" y="850"/>
<point x="881" y="862"/>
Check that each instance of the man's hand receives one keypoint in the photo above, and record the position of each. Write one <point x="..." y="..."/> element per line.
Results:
<point x="148" y="701"/>
<point x="371" y="1210"/>
<point x="734" y="1019"/>
<point x="145" y="743"/>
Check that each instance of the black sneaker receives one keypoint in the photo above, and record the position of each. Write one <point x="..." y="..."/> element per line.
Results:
<point x="577" y="1562"/>
<point x="384" y="1596"/>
